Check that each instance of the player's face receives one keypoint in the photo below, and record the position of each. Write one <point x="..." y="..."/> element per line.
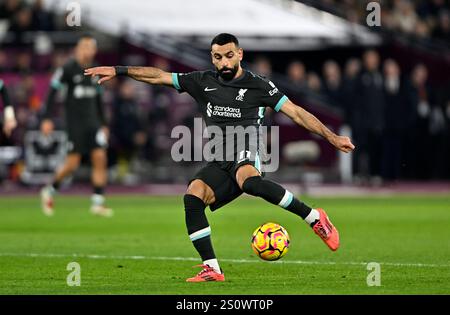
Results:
<point x="86" y="49"/>
<point x="226" y="59"/>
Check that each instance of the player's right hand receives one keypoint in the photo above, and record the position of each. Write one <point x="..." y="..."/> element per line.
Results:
<point x="47" y="127"/>
<point x="343" y="144"/>
<point x="105" y="73"/>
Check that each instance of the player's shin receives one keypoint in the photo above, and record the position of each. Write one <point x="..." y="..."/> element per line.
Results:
<point x="277" y="195"/>
<point x="199" y="230"/>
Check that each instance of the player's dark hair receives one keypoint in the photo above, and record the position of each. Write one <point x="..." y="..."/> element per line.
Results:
<point x="86" y="36"/>
<point x="225" y="38"/>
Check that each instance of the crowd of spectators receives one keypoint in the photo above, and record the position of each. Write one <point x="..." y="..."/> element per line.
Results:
<point x="398" y="119"/>
<point x="396" y="116"/>
<point x="421" y="19"/>
<point x="22" y="17"/>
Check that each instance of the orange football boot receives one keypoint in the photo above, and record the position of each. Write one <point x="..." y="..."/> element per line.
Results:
<point x="326" y="231"/>
<point x="207" y="274"/>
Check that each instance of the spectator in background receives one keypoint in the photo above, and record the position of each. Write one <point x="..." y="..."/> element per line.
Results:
<point x="127" y="135"/>
<point x="397" y="114"/>
<point x="23" y="63"/>
<point x="42" y="19"/>
<point x="387" y="18"/>
<point x="420" y="98"/>
<point x="4" y="65"/>
<point x="438" y="127"/>
<point x="27" y="103"/>
<point x="421" y="30"/>
<point x="58" y="59"/>
<point x="446" y="107"/>
<point x="350" y="90"/>
<point x="159" y="119"/>
<point x="262" y="66"/>
<point x="332" y="85"/>
<point x="9" y="8"/>
<point x="352" y="16"/>
<point x="442" y="31"/>
<point x="314" y="83"/>
<point x="21" y="23"/>
<point x="369" y="115"/>
<point x="404" y="16"/>
<point x="297" y="74"/>
<point x="430" y="10"/>
<point x="352" y="69"/>
<point x="438" y="141"/>
<point x="160" y="92"/>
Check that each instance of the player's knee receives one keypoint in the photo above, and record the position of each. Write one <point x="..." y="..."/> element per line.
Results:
<point x="244" y="172"/>
<point x="199" y="189"/>
<point x="252" y="185"/>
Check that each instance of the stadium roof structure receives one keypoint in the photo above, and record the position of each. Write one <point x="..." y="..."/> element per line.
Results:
<point x="260" y="24"/>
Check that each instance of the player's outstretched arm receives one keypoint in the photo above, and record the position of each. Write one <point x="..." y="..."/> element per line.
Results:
<point x="310" y="122"/>
<point x="149" y="75"/>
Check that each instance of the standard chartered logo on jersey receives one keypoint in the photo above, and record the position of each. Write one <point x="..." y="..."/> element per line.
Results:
<point x="222" y="111"/>
<point x="81" y="91"/>
<point x="230" y="143"/>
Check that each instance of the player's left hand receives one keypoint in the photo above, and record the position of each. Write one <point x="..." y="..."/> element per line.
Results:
<point x="105" y="73"/>
<point x="9" y="122"/>
<point x="8" y="126"/>
<point x="343" y="144"/>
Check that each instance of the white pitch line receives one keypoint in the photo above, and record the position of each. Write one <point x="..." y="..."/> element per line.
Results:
<point x="297" y="262"/>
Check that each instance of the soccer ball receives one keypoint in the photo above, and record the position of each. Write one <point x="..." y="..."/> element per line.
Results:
<point x="270" y="241"/>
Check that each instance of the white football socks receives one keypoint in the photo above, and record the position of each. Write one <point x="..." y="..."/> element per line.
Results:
<point x="312" y="216"/>
<point x="51" y="190"/>
<point x="97" y="200"/>
<point x="214" y="264"/>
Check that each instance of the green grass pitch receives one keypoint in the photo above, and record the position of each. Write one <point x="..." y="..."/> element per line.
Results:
<point x="144" y="248"/>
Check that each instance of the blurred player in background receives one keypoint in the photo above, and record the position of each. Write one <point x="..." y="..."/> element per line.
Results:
<point x="85" y="125"/>
<point x="9" y="119"/>
<point x="221" y="181"/>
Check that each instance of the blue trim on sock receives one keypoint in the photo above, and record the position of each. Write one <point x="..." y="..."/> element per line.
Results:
<point x="202" y="235"/>
<point x="288" y="201"/>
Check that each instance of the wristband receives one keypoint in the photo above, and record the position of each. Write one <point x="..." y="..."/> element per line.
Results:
<point x="121" y="70"/>
<point x="9" y="113"/>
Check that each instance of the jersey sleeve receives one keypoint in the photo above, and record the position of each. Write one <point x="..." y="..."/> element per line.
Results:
<point x="4" y="94"/>
<point x="187" y="82"/>
<point x="59" y="78"/>
<point x="271" y="96"/>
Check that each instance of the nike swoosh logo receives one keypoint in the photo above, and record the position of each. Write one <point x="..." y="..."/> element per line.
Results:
<point x="208" y="90"/>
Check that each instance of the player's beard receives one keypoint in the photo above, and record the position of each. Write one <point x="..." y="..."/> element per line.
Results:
<point x="228" y="75"/>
